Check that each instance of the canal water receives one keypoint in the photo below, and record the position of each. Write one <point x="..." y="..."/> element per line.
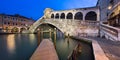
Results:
<point x="22" y="46"/>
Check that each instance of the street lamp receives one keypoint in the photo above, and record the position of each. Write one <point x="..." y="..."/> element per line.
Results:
<point x="110" y="6"/>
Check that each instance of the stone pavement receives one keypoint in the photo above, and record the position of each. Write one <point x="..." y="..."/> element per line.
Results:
<point x="45" y="51"/>
<point x="110" y="48"/>
<point x="98" y="52"/>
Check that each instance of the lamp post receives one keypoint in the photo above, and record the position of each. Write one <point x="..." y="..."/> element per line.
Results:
<point x="109" y="7"/>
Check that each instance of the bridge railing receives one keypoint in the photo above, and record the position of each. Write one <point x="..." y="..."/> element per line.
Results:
<point x="83" y="22"/>
<point x="31" y="30"/>
<point x="111" y="32"/>
<point x="88" y="22"/>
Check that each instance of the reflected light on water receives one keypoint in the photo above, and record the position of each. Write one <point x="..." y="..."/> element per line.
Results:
<point x="11" y="43"/>
<point x="32" y="38"/>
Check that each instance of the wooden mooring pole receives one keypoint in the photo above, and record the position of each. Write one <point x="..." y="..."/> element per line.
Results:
<point x="55" y="37"/>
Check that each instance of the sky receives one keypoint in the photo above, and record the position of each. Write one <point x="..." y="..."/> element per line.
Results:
<point x="35" y="8"/>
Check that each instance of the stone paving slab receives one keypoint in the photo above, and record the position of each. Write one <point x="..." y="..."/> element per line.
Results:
<point x="110" y="48"/>
<point x="98" y="52"/>
<point x="45" y="51"/>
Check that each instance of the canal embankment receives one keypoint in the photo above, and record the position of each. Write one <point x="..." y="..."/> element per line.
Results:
<point x="97" y="50"/>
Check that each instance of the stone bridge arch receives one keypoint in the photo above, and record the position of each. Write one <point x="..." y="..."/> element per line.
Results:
<point x="60" y="25"/>
<point x="56" y="26"/>
<point x="68" y="26"/>
<point x="63" y="25"/>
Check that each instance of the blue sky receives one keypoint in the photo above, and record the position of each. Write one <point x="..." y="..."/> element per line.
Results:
<point x="35" y="8"/>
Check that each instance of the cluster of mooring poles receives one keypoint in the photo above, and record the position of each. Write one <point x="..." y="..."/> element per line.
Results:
<point x="41" y="32"/>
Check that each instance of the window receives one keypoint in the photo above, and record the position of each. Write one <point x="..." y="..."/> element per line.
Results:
<point x="8" y="23"/>
<point x="13" y="18"/>
<point x="5" y="17"/>
<point x="8" y="17"/>
<point x="4" y="22"/>
<point x="13" y="23"/>
<point x="112" y="2"/>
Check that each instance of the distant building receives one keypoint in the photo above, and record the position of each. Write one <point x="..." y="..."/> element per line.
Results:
<point x="14" y="23"/>
<point x="110" y="11"/>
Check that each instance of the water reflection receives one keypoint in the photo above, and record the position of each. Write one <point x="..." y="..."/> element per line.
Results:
<point x="32" y="38"/>
<point x="11" y="43"/>
<point x="39" y="38"/>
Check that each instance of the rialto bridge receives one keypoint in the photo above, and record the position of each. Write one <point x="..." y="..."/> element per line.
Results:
<point x="82" y="21"/>
<point x="78" y="22"/>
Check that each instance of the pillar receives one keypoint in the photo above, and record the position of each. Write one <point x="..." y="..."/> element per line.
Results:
<point x="98" y="16"/>
<point x="59" y="16"/>
<point x="65" y="16"/>
<point x="73" y="16"/>
<point x="84" y="16"/>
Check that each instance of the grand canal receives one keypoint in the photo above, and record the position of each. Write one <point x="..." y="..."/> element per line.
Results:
<point x="22" y="46"/>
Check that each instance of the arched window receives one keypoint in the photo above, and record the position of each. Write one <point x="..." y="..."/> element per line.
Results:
<point x="69" y="16"/>
<point x="79" y="16"/>
<point x="52" y="16"/>
<point x="57" y="16"/>
<point x="91" y="16"/>
<point x="62" y="16"/>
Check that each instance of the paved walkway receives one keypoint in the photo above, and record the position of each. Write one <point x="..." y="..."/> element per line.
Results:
<point x="110" y="48"/>
<point x="45" y="51"/>
<point x="99" y="53"/>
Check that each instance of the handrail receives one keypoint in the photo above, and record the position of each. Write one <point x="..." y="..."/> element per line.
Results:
<point x="75" y="20"/>
<point x="113" y="28"/>
<point x="113" y="31"/>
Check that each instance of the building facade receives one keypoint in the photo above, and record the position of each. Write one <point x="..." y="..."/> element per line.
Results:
<point x="110" y="15"/>
<point x="14" y="23"/>
<point x="110" y="11"/>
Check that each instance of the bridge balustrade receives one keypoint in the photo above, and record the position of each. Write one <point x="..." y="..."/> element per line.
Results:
<point x="110" y="31"/>
<point x="83" y="22"/>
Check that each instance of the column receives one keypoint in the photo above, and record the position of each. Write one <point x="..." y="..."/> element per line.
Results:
<point x="73" y="16"/>
<point x="59" y="16"/>
<point x="83" y="16"/>
<point x="65" y="16"/>
<point x="98" y="16"/>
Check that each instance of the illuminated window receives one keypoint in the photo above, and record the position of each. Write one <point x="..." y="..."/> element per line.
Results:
<point x="4" y="22"/>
